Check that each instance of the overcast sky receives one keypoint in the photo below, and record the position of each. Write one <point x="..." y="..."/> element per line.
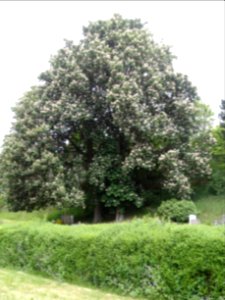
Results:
<point x="30" y="32"/>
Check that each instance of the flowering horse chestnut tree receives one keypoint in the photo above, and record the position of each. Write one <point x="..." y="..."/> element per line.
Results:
<point x="110" y="122"/>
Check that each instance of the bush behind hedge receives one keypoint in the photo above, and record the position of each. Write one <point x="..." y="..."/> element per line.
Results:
<point x="176" y="210"/>
<point x="146" y="258"/>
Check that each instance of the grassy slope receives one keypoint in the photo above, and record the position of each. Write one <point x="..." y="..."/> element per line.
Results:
<point x="210" y="208"/>
<point x="23" y="216"/>
<point x="15" y="285"/>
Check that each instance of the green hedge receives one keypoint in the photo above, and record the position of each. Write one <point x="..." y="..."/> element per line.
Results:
<point x="146" y="258"/>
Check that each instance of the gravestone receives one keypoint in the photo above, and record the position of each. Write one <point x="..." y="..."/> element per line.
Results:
<point x="193" y="219"/>
<point x="67" y="219"/>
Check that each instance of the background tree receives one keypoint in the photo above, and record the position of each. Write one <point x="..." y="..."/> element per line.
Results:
<point x="222" y="116"/>
<point x="114" y="121"/>
<point x="203" y="139"/>
<point x="217" y="183"/>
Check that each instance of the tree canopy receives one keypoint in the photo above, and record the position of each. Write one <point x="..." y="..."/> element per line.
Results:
<point x="110" y="123"/>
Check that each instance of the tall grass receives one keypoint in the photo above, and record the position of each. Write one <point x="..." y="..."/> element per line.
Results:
<point x="210" y="208"/>
<point x="39" y="215"/>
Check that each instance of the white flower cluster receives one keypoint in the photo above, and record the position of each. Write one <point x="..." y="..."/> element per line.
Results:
<point x="170" y="160"/>
<point x="141" y="156"/>
<point x="178" y="184"/>
<point x="198" y="163"/>
<point x="174" y="173"/>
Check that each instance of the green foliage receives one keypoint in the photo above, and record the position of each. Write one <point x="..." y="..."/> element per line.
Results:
<point x="176" y="210"/>
<point x="2" y="202"/>
<point x="142" y="257"/>
<point x="121" y="191"/>
<point x="110" y="121"/>
<point x="217" y="182"/>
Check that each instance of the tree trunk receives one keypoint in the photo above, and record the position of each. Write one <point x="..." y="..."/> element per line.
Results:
<point x="97" y="212"/>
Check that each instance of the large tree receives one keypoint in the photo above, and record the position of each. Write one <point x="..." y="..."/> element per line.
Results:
<point x="113" y="120"/>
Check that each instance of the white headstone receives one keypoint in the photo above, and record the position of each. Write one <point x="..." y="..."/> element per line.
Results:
<point x="193" y="219"/>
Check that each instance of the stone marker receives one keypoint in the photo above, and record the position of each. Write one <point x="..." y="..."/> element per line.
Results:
<point x="67" y="219"/>
<point x="193" y="219"/>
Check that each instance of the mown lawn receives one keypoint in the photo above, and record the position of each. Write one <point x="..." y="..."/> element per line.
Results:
<point x="16" y="285"/>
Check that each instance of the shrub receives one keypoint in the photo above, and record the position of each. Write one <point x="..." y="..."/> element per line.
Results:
<point x="146" y="258"/>
<point x="176" y="210"/>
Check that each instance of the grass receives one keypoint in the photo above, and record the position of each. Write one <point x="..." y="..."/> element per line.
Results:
<point x="17" y="285"/>
<point x="210" y="208"/>
<point x="40" y="215"/>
